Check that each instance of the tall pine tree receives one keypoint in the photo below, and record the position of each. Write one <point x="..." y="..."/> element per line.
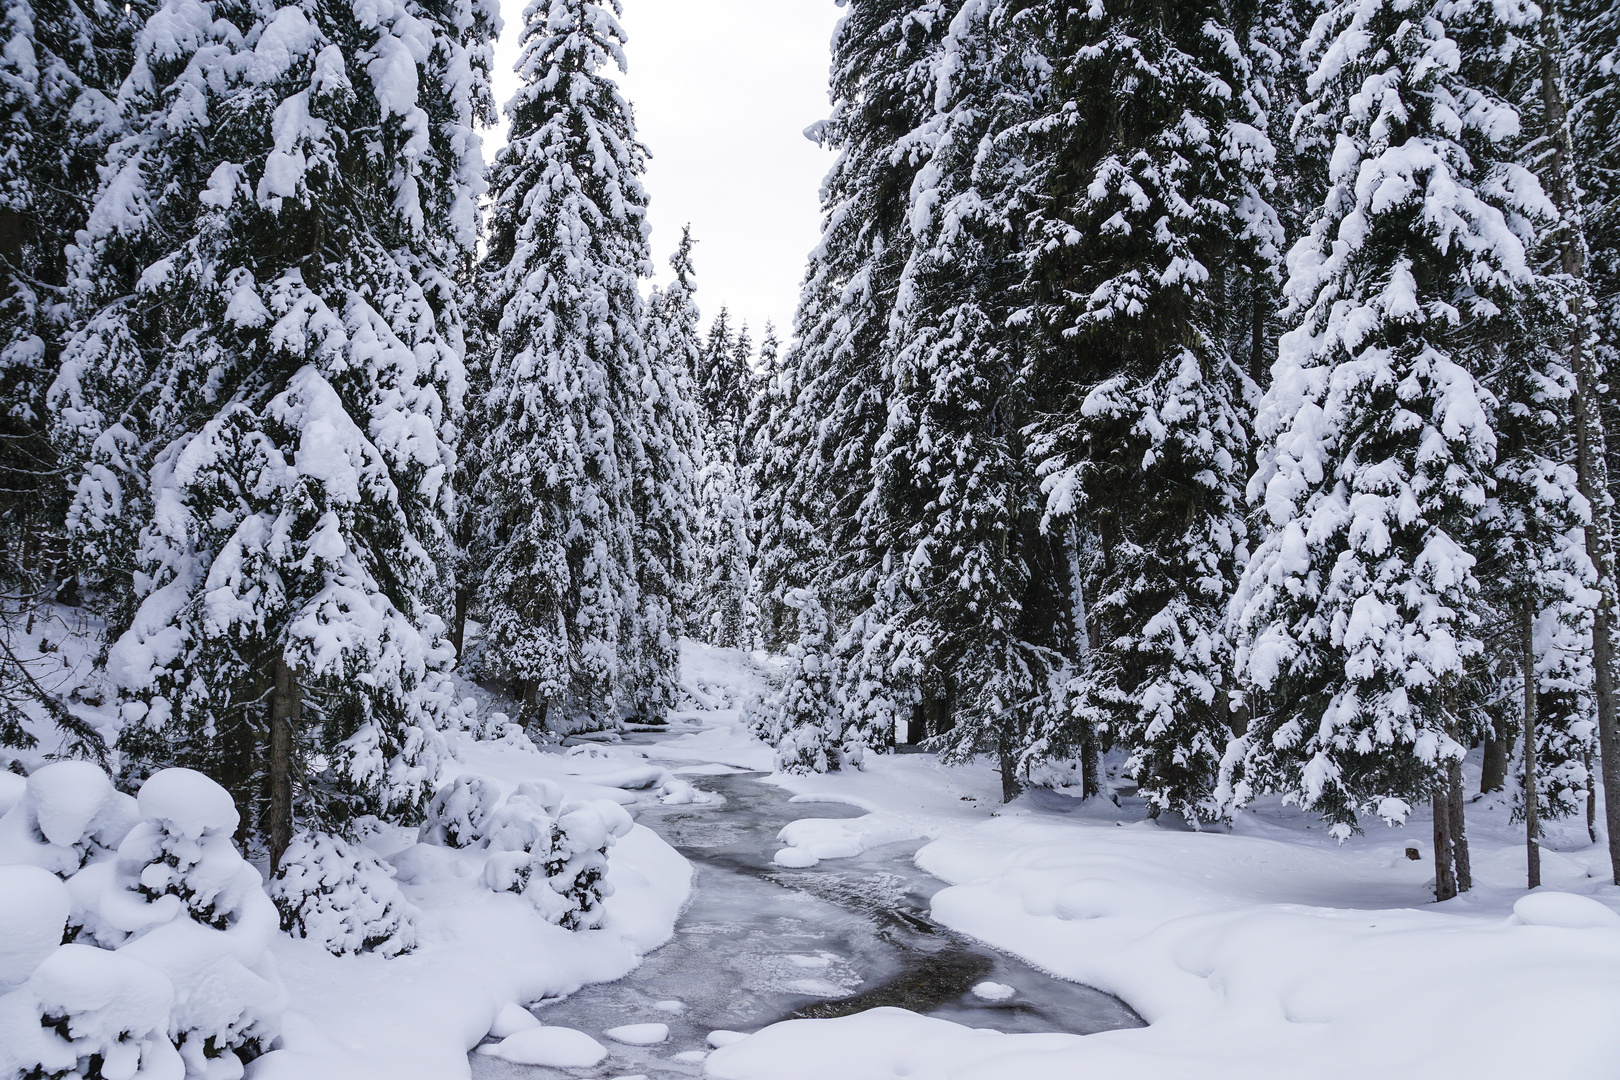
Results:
<point x="263" y="402"/>
<point x="580" y="423"/>
<point x="1361" y="609"/>
<point x="1154" y="167"/>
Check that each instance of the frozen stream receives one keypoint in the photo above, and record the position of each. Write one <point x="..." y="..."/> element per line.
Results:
<point x="759" y="943"/>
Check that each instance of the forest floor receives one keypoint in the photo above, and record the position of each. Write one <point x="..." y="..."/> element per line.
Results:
<point x="1263" y="950"/>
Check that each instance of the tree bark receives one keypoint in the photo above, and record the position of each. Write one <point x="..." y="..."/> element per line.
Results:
<point x="286" y="707"/>
<point x="1532" y="823"/>
<point x="1591" y="449"/>
<point x="1010" y="785"/>
<point x="1459" y="831"/>
<point x="1090" y="767"/>
<point x="1445" y="877"/>
<point x="1494" y="770"/>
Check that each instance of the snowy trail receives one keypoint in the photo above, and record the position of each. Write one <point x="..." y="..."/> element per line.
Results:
<point x="762" y="942"/>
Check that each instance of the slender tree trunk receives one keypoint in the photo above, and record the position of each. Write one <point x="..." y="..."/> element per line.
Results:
<point x="1591" y="449"/>
<point x="1090" y="767"/>
<point x="1445" y="877"/>
<point x="1493" y="774"/>
<point x="1591" y="798"/>
<point x="286" y="706"/>
<point x="1532" y="823"/>
<point x="1010" y="785"/>
<point x="1459" y="829"/>
<point x="458" y="625"/>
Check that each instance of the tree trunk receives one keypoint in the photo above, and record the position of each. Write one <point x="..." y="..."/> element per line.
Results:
<point x="286" y="707"/>
<point x="1445" y="877"/>
<point x="1090" y="767"/>
<point x="1532" y="824"/>
<point x="1459" y="830"/>
<point x="1591" y="449"/>
<point x="458" y="625"/>
<point x="1010" y="786"/>
<point x="1591" y="798"/>
<point x="1493" y="774"/>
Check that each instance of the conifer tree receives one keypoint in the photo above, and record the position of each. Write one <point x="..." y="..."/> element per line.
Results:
<point x="263" y="402"/>
<point x="567" y="419"/>
<point x="668" y="447"/>
<point x="971" y="601"/>
<point x="1154" y="170"/>
<point x="60" y="67"/>
<point x="1361" y="608"/>
<point x="834" y="411"/>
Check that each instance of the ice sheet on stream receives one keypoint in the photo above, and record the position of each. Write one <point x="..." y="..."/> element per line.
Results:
<point x="760" y="943"/>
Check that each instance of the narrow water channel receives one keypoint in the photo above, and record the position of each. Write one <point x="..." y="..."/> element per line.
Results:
<point x="759" y="943"/>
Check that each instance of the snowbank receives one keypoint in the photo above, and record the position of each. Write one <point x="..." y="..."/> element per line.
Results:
<point x="480" y="952"/>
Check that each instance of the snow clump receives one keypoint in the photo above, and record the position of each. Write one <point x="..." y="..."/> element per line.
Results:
<point x="155" y="902"/>
<point x="343" y="897"/>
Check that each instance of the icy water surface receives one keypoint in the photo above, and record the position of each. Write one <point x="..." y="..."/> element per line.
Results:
<point x="759" y="943"/>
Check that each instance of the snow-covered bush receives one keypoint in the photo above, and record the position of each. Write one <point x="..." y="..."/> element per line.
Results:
<point x="69" y="815"/>
<point x="88" y="1012"/>
<point x="555" y="856"/>
<point x="168" y="972"/>
<point x="550" y="852"/>
<point x="342" y="896"/>
<point x="459" y="813"/>
<point x="803" y="719"/>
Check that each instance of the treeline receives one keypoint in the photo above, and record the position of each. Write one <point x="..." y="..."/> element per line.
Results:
<point x="296" y="390"/>
<point x="1219" y="383"/>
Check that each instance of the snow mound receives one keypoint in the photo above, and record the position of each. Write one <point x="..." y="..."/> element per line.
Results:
<point x="993" y="991"/>
<point x="724" y="1037"/>
<point x="639" y="1034"/>
<point x="556" y="1047"/>
<point x="512" y="1019"/>
<point x="1565" y="910"/>
<point x="879" y="1044"/>
<point x="187" y="803"/>
<point x="34" y="907"/>
<point x="67" y="796"/>
<point x="341" y="896"/>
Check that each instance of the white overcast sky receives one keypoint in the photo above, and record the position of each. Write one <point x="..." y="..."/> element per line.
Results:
<point x="723" y="90"/>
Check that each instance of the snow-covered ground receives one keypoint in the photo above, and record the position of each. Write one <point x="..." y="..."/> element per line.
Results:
<point x="1266" y="950"/>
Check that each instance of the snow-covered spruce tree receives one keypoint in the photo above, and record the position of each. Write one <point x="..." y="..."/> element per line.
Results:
<point x="1539" y="566"/>
<point x="60" y="67"/>
<point x="1360" y="609"/>
<point x="817" y="448"/>
<point x="564" y="421"/>
<point x="971" y="599"/>
<point x="263" y="401"/>
<point x="784" y="534"/>
<point x="1579" y="50"/>
<point x="1154" y="165"/>
<point x="804" y="718"/>
<point x="724" y="611"/>
<point x="667" y="447"/>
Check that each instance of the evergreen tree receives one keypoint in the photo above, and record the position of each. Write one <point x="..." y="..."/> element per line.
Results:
<point x="60" y="67"/>
<point x="263" y="402"/>
<point x="1153" y="166"/>
<point x="819" y="465"/>
<point x="569" y="417"/>
<point x="971" y="598"/>
<point x="667" y="449"/>
<point x="1361" y="609"/>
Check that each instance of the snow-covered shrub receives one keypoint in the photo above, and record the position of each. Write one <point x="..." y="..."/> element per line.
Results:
<point x="169" y="972"/>
<point x="554" y="854"/>
<point x="342" y="896"/>
<point x="69" y="815"/>
<point x="88" y="1012"/>
<point x="459" y="813"/>
<point x="803" y="719"/>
